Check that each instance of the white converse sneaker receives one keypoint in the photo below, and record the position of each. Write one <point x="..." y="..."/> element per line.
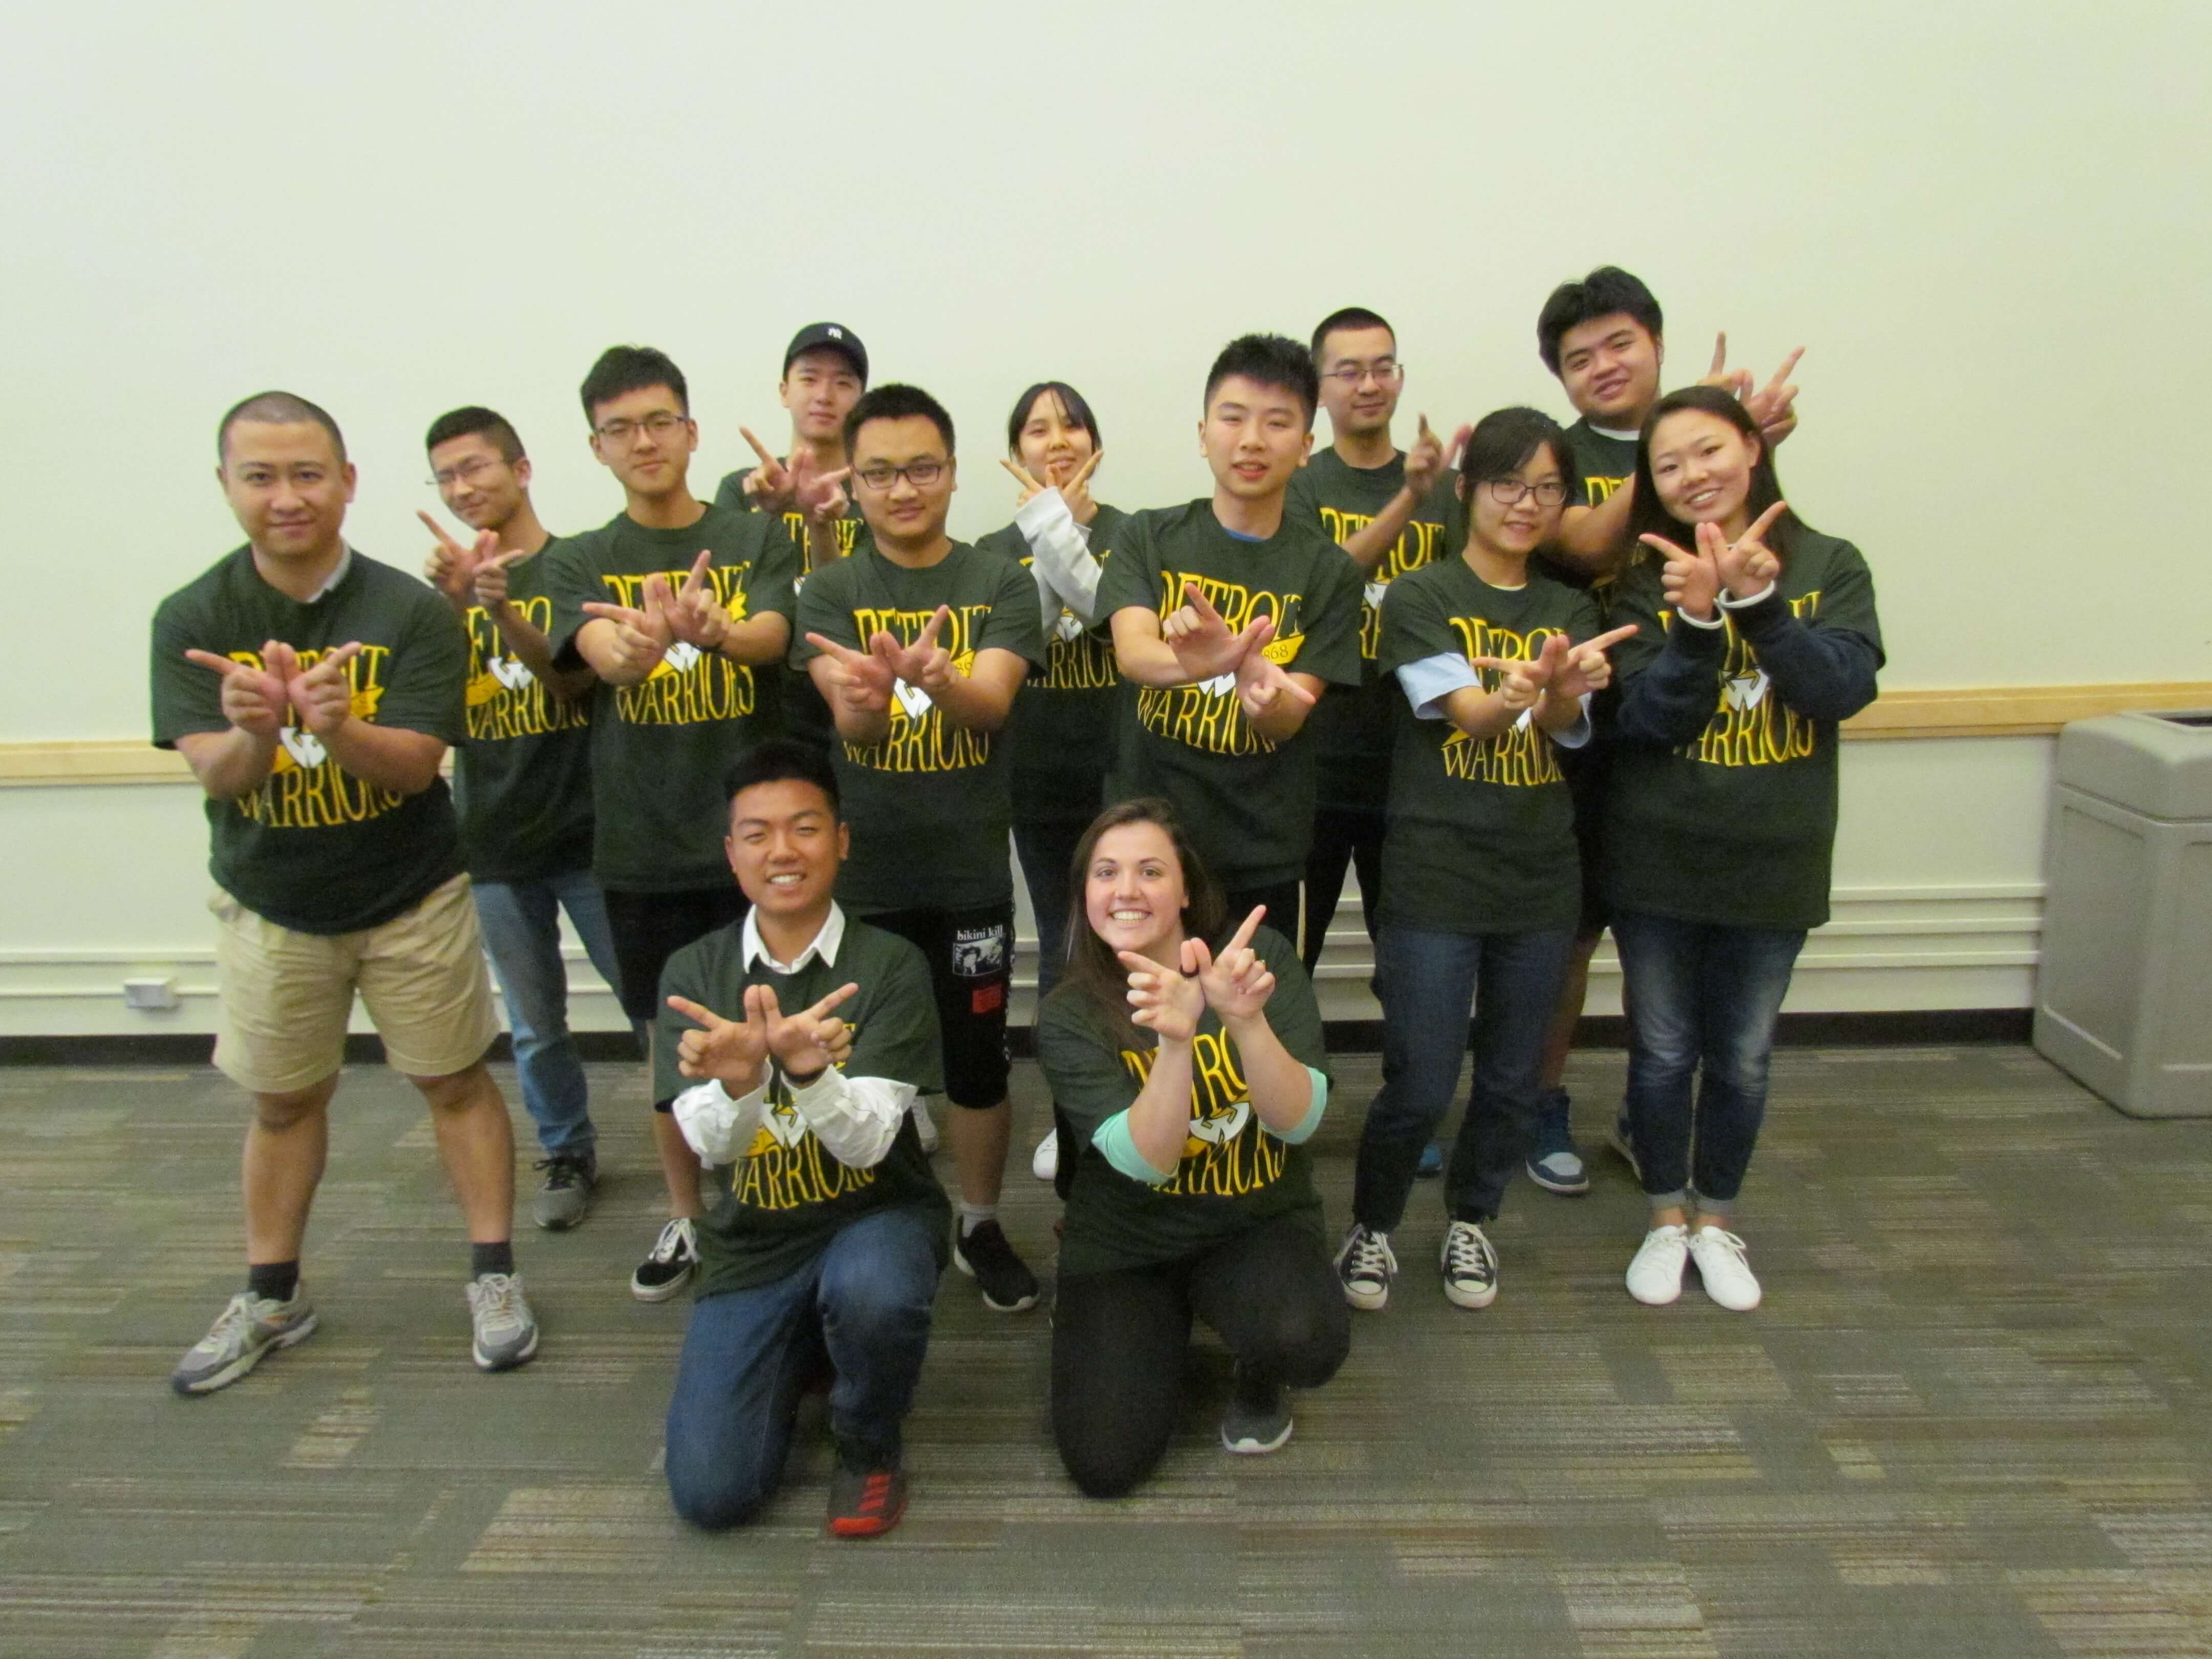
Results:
<point x="1045" y="1163"/>
<point x="1655" y="1278"/>
<point x="1470" y="1266"/>
<point x="1727" y="1276"/>
<point x="1364" y="1267"/>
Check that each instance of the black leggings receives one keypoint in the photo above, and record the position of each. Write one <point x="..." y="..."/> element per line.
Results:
<point x="1119" y="1342"/>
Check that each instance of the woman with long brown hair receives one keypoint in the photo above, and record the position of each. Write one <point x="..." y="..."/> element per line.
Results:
<point x="1187" y="1062"/>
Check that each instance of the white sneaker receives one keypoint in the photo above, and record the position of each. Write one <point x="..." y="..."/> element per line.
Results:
<point x="1045" y="1163"/>
<point x="1655" y="1278"/>
<point x="924" y="1127"/>
<point x="1727" y="1277"/>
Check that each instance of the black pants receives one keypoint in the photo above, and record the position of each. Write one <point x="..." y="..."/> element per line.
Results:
<point x="1342" y="836"/>
<point x="1119" y="1342"/>
<point x="1281" y="898"/>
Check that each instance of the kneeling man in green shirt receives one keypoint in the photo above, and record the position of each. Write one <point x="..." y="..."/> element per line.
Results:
<point x="792" y="1048"/>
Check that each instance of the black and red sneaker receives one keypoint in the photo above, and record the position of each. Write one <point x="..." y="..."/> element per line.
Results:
<point x="865" y="1502"/>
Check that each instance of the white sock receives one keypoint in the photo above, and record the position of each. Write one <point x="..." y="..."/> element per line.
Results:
<point x="973" y="1216"/>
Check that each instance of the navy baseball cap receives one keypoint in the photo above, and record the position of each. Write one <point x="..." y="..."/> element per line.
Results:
<point x="828" y="336"/>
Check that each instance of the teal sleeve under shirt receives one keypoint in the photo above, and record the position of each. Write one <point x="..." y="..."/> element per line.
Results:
<point x="1120" y="1145"/>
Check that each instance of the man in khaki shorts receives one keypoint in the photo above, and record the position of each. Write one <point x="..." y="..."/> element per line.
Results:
<point x="314" y="693"/>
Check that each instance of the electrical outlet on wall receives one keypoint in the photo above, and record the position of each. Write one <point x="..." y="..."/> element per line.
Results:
<point x="152" y="995"/>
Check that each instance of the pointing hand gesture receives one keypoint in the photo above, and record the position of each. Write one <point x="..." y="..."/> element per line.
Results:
<point x="1747" y="564"/>
<point x="1521" y="680"/>
<point x="1201" y="642"/>
<point x="1165" y="1001"/>
<point x="1426" y="461"/>
<point x="1691" y="580"/>
<point x="860" y="681"/>
<point x="1586" y="668"/>
<point x="452" y="568"/>
<point x="1773" y="406"/>
<point x="253" y="699"/>
<point x="1262" y="685"/>
<point x="770" y="484"/>
<point x="727" y="1050"/>
<point x="698" y="617"/>
<point x="491" y="578"/>
<point x="924" y="663"/>
<point x="1237" y="984"/>
<point x="322" y="696"/>
<point x="641" y="637"/>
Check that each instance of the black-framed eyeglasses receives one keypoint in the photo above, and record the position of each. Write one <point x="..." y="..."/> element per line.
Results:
<point x="1385" y="371"/>
<point x="1511" y="492"/>
<point x="659" y="424"/>
<point x="467" y="472"/>
<point x="919" y="474"/>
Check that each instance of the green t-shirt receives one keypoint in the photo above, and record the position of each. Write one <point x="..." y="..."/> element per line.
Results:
<point x="1234" y="1176"/>
<point x="788" y="698"/>
<point x="1248" y="802"/>
<point x="1602" y="465"/>
<point x="315" y="849"/>
<point x="661" y="748"/>
<point x="523" y="779"/>
<point x="1738" y="827"/>
<point x="929" y="805"/>
<point x="1482" y="834"/>
<point x="1352" y="730"/>
<point x="775" y="1208"/>
<point x="1062" y="735"/>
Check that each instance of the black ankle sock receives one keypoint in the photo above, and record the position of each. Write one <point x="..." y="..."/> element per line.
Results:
<point x="491" y="1258"/>
<point x="277" y="1280"/>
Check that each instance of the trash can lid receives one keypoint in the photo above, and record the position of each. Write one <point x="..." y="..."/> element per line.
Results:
<point x="2159" y="764"/>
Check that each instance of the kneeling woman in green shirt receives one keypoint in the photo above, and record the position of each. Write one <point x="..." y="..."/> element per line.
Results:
<point x="1189" y="1067"/>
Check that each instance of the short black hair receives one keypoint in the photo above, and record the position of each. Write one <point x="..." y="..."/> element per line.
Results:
<point x="1606" y="290"/>
<point x="471" y="421"/>
<point x="778" y="760"/>
<point x="896" y="401"/>
<point x="276" y="408"/>
<point x="1349" y="317"/>
<point x="1503" y="440"/>
<point x="1273" y="360"/>
<point x="1072" y="401"/>
<point x="632" y="368"/>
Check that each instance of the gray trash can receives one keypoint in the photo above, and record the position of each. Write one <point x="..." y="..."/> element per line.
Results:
<point x="2123" y="997"/>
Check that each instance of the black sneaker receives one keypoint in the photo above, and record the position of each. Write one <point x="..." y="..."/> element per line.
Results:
<point x="1004" y="1278"/>
<point x="667" y="1266"/>
<point x="866" y="1502"/>
<point x="1259" y="1415"/>
<point x="566" y="1197"/>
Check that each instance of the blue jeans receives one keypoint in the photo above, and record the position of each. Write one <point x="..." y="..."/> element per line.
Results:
<point x="1426" y="981"/>
<point x="863" y="1305"/>
<point x="521" y="923"/>
<point x="1699" y="995"/>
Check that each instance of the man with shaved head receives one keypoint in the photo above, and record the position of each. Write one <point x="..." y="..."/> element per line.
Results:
<point x="314" y="693"/>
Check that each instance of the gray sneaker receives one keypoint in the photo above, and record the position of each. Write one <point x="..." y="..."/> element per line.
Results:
<point x="566" y="1197"/>
<point x="246" y="1329"/>
<point x="1259" y="1415"/>
<point x="505" y="1330"/>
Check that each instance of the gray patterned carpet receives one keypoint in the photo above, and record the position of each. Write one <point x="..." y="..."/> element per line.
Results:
<point x="1971" y="1418"/>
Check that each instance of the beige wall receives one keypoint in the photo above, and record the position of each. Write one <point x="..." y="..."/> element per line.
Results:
<point x="1988" y="224"/>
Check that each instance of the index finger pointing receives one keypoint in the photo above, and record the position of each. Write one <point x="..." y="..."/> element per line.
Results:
<point x="1084" y="472"/>
<point x="1761" y="525"/>
<point x="439" y="530"/>
<point x="938" y="618"/>
<point x="1199" y="602"/>
<point x="694" y="1012"/>
<point x="1789" y="362"/>
<point x="1021" y="474"/>
<point x="1606" y="641"/>
<point x="1243" y="936"/>
<point x="759" y="448"/>
<point x="843" y="994"/>
<point x="221" y="664"/>
<point x="1720" y="351"/>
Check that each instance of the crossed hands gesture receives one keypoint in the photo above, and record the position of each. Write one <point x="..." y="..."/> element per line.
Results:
<point x="256" y="699"/>
<point x="1426" y="461"/>
<point x="862" y="680"/>
<point x="1204" y="648"/>
<point x="1773" y="406"/>
<point x="1692" y="580"/>
<point x="734" y="1051"/>
<point x="476" y="571"/>
<point x="800" y="487"/>
<point x="691" y="613"/>
<point x="1170" y="999"/>
<point x="1567" y="670"/>
<point x="1075" y="490"/>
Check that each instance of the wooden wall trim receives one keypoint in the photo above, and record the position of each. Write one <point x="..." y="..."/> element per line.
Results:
<point x="2015" y="711"/>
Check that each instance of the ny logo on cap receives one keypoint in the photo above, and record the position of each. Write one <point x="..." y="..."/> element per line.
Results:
<point x="837" y="333"/>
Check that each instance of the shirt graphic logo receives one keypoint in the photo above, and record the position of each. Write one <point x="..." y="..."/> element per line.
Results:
<point x="786" y="1167"/>
<point x="1751" y="726"/>
<point x="919" y="738"/>
<point x="1521" y="756"/>
<point x="1227" y="1152"/>
<point x="688" y="686"/>
<point x="1208" y="715"/>
<point x="1416" y="545"/>
<point x="305" y="789"/>
<point x="505" y="699"/>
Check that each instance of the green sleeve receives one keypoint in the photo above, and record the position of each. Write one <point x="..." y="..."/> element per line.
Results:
<point x="1089" y="1081"/>
<point x="895" y="1032"/>
<point x="426" y="682"/>
<point x="1331" y="651"/>
<point x="1415" y="627"/>
<point x="823" y="608"/>
<point x="571" y="580"/>
<point x="187" y="698"/>
<point x="1016" y="622"/>
<point x="731" y="492"/>
<point x="685" y="975"/>
<point x="1300" y="504"/>
<point x="1130" y="577"/>
<point x="775" y="568"/>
